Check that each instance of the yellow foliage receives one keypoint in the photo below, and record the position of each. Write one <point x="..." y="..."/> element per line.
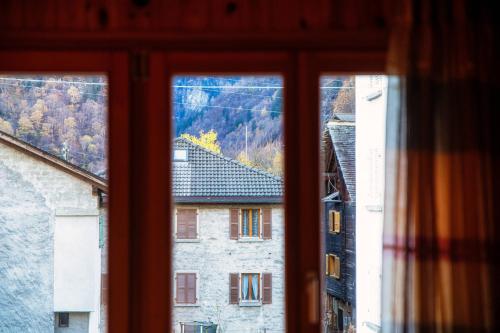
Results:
<point x="242" y="157"/>
<point x="6" y="127"/>
<point x="206" y="140"/>
<point x="74" y="94"/>
<point x="70" y="122"/>
<point x="25" y="126"/>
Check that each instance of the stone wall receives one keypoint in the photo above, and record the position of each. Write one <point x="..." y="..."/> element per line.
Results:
<point x="31" y="194"/>
<point x="78" y="322"/>
<point x="215" y="256"/>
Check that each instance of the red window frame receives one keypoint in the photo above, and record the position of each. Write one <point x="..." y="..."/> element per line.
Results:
<point x="140" y="293"/>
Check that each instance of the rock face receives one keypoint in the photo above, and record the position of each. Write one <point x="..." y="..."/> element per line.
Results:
<point x="26" y="256"/>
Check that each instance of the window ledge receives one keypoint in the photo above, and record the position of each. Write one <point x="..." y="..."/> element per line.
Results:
<point x="195" y="240"/>
<point x="250" y="239"/>
<point x="250" y="303"/>
<point x="186" y="305"/>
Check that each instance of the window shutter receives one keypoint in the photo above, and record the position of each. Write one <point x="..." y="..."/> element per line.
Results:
<point x="267" y="223"/>
<point x="191" y="288"/>
<point x="337" y="267"/>
<point x="330" y="221"/>
<point x="234" y="290"/>
<point x="327" y="261"/>
<point x="234" y="223"/>
<point x="186" y="223"/>
<point x="337" y="221"/>
<point x="267" y="288"/>
<point x="180" y="294"/>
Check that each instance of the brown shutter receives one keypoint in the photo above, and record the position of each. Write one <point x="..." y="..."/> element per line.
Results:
<point x="234" y="288"/>
<point x="234" y="223"/>
<point x="180" y="295"/>
<point x="191" y="288"/>
<point x="186" y="223"/>
<point x="267" y="288"/>
<point x="267" y="223"/>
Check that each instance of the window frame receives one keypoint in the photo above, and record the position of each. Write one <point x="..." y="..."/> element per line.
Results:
<point x="242" y="237"/>
<point x="332" y="271"/>
<point x="197" y="288"/>
<point x="187" y="240"/>
<point x="258" y="301"/>
<point x="59" y="320"/>
<point x="140" y="236"/>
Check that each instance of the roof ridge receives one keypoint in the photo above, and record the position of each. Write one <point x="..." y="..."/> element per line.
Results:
<point x="265" y="173"/>
<point x="49" y="158"/>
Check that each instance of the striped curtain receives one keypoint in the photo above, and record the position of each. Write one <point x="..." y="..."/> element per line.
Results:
<point x="441" y="229"/>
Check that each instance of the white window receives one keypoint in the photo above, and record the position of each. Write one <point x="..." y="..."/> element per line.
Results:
<point x="180" y="155"/>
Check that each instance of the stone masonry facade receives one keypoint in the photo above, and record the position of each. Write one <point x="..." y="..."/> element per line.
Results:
<point x="32" y="193"/>
<point x="214" y="256"/>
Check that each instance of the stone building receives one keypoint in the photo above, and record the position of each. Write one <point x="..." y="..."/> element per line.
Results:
<point x="228" y="244"/>
<point x="340" y="223"/>
<point x="50" y="249"/>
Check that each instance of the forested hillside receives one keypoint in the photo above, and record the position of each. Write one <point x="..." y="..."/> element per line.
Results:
<point x="66" y="115"/>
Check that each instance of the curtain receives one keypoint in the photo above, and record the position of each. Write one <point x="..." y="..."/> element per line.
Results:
<point x="255" y="286"/>
<point x="255" y="222"/>
<point x="244" y="288"/>
<point x="245" y="220"/>
<point x="441" y="229"/>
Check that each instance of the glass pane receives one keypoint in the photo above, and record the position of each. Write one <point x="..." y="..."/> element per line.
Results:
<point x="231" y="130"/>
<point x="353" y="110"/>
<point x="53" y="183"/>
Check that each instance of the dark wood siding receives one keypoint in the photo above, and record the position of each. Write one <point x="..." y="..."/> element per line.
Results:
<point x="342" y="245"/>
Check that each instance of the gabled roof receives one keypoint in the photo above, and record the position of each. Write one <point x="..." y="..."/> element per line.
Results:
<point x="59" y="163"/>
<point x="209" y="177"/>
<point x="343" y="136"/>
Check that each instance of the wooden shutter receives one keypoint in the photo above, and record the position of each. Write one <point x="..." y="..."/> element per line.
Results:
<point x="180" y="287"/>
<point x="330" y="221"/>
<point x="234" y="215"/>
<point x="186" y="223"/>
<point x="191" y="288"/>
<point x="234" y="288"/>
<point x="267" y="288"/>
<point x="267" y="223"/>
<point x="336" y="271"/>
<point x="337" y="221"/>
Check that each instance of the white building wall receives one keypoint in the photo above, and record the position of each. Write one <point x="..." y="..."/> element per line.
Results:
<point x="215" y="256"/>
<point x="61" y="194"/>
<point x="371" y="100"/>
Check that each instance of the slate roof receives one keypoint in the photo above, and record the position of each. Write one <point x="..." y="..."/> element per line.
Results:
<point x="343" y="135"/>
<point x="209" y="177"/>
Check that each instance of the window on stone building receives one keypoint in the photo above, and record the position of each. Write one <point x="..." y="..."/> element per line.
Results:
<point x="63" y="319"/>
<point x="333" y="265"/>
<point x="250" y="287"/>
<point x="187" y="226"/>
<point x="334" y="222"/>
<point x="185" y="292"/>
<point x="250" y="222"/>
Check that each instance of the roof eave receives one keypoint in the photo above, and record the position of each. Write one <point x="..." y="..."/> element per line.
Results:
<point x="228" y="200"/>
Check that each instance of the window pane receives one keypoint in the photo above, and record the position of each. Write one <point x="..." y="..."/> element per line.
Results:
<point x="230" y="129"/>
<point x="353" y="146"/>
<point x="53" y="219"/>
